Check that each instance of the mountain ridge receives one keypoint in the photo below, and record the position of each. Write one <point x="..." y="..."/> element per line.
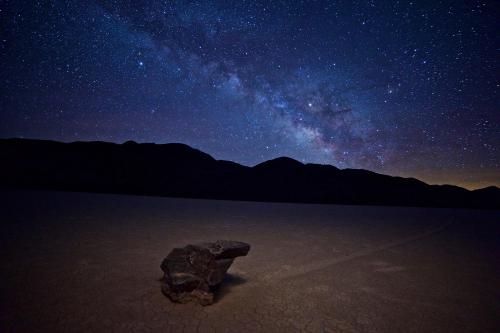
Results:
<point x="179" y="170"/>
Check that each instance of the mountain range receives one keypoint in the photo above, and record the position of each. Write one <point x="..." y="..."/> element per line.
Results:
<point x="177" y="170"/>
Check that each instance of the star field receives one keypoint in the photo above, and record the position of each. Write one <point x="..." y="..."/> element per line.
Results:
<point x="405" y="88"/>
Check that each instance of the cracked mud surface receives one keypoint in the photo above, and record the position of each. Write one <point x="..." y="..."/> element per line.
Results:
<point x="74" y="262"/>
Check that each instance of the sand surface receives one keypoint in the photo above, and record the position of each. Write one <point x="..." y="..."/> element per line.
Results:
<point x="77" y="262"/>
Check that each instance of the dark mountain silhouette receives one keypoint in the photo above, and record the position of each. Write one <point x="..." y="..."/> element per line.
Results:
<point x="180" y="171"/>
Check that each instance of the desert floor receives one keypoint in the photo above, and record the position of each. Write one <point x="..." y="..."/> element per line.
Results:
<point x="79" y="262"/>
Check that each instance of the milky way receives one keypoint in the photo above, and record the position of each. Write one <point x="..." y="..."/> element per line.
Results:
<point x="404" y="88"/>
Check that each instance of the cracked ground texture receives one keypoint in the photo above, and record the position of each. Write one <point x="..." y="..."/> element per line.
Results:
<point x="79" y="262"/>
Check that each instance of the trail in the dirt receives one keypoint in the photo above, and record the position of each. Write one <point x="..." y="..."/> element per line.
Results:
<point x="321" y="264"/>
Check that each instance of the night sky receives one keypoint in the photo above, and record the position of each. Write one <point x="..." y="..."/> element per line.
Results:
<point x="405" y="88"/>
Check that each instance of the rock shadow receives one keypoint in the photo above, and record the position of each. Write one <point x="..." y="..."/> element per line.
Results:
<point x="230" y="281"/>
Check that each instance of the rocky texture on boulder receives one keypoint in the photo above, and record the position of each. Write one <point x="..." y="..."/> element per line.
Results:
<point x="194" y="272"/>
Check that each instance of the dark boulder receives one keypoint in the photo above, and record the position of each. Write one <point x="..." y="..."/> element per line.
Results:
<point x="195" y="271"/>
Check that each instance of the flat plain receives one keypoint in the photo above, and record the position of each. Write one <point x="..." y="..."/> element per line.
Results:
<point x="83" y="262"/>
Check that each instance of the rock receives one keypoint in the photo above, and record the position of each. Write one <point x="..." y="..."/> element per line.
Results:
<point x="194" y="272"/>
